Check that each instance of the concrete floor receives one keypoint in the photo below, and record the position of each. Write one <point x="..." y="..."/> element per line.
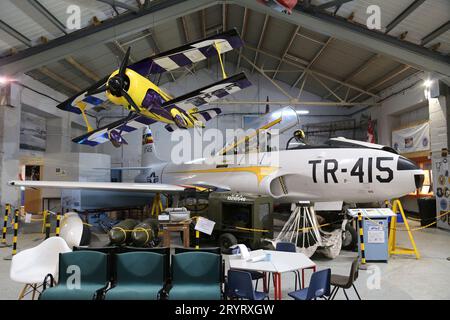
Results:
<point x="403" y="277"/>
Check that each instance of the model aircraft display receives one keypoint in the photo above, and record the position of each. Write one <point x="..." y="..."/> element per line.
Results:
<point x="341" y="170"/>
<point x="130" y="87"/>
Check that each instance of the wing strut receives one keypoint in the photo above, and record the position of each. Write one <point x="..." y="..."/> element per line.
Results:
<point x="82" y="106"/>
<point x="216" y="46"/>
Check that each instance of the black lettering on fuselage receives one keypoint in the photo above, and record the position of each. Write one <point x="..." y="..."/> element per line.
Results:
<point x="314" y="168"/>
<point x="332" y="171"/>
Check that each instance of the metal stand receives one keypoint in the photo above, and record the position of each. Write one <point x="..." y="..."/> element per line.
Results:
<point x="393" y="249"/>
<point x="302" y="220"/>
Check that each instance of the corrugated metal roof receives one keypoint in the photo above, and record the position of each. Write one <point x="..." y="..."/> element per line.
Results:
<point x="334" y="66"/>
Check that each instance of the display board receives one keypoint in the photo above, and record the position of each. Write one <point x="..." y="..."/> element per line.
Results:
<point x="412" y="139"/>
<point x="441" y="188"/>
<point x="33" y="132"/>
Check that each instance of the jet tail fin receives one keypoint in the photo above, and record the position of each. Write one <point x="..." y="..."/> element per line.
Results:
<point x="149" y="156"/>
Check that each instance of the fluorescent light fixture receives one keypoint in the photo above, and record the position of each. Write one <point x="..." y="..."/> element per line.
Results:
<point x="302" y="111"/>
<point x="427" y="83"/>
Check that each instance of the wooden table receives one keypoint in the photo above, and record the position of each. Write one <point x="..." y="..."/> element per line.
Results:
<point x="169" y="227"/>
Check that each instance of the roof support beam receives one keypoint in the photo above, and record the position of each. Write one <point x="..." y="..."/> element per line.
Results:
<point x="48" y="15"/>
<point x="358" y="71"/>
<point x="402" y="16"/>
<point x="436" y="33"/>
<point x="243" y="30"/>
<point x="331" y="4"/>
<point x="326" y="87"/>
<point x="261" y="38"/>
<point x="311" y="63"/>
<point x="286" y="50"/>
<point x="14" y="33"/>
<point x="318" y="73"/>
<point x="372" y="40"/>
<point x="298" y="103"/>
<point x="56" y="77"/>
<point x="128" y="23"/>
<point x="185" y="30"/>
<point x="88" y="73"/>
<point x="268" y="78"/>
<point x="117" y="49"/>
<point x="120" y="4"/>
<point x="383" y="80"/>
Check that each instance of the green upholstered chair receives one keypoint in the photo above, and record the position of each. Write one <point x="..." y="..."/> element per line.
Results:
<point x="196" y="276"/>
<point x="82" y="276"/>
<point x="161" y="250"/>
<point x="140" y="276"/>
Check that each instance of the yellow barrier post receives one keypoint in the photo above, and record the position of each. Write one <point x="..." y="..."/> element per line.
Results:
<point x="58" y="222"/>
<point x="393" y="249"/>
<point x="363" y="265"/>
<point x="16" y="228"/>
<point x="197" y="237"/>
<point x="5" y="226"/>
<point x="47" y="230"/>
<point x="44" y="220"/>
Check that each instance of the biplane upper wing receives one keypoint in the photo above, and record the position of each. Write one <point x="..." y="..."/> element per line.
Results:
<point x="124" y="125"/>
<point x="191" y="101"/>
<point x="210" y="93"/>
<point x="188" y="54"/>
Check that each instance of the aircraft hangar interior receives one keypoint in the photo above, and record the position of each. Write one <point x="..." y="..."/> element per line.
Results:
<point x="224" y="150"/>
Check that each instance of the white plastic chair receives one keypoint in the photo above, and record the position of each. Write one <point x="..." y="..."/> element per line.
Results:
<point x="30" y="266"/>
<point x="72" y="229"/>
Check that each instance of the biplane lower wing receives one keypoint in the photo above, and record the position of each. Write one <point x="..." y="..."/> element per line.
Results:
<point x="125" y="125"/>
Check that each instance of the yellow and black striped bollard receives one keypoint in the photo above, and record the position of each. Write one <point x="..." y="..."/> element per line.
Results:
<point x="58" y="221"/>
<point x="197" y="237"/>
<point x="5" y="226"/>
<point x="47" y="230"/>
<point x="16" y="228"/>
<point x="363" y="265"/>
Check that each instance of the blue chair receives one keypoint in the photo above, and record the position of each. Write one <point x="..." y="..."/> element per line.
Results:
<point x="319" y="287"/>
<point x="256" y="275"/>
<point x="290" y="247"/>
<point x="240" y="286"/>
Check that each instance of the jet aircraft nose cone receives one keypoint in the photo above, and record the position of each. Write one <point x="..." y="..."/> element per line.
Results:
<point x="405" y="164"/>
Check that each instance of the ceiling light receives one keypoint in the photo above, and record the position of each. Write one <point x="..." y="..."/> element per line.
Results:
<point x="302" y="111"/>
<point x="5" y="80"/>
<point x="427" y="83"/>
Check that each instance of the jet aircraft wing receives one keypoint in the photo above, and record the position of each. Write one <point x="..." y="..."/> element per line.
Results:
<point x="116" y="186"/>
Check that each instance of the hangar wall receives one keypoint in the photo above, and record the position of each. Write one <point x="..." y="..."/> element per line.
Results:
<point x="29" y="95"/>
